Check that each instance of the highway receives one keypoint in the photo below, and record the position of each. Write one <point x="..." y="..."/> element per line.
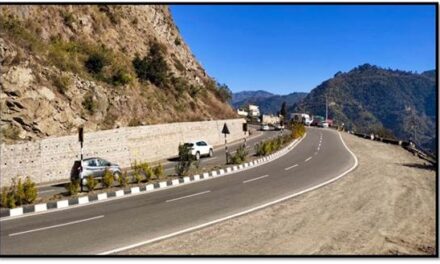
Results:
<point x="218" y="159"/>
<point x="115" y="225"/>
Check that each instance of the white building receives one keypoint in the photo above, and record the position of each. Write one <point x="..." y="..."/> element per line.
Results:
<point x="242" y="112"/>
<point x="253" y="110"/>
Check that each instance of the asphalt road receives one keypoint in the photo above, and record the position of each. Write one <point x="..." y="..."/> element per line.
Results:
<point x="103" y="227"/>
<point x="219" y="158"/>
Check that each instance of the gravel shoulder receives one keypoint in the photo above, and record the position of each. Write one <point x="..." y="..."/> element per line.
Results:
<point x="386" y="206"/>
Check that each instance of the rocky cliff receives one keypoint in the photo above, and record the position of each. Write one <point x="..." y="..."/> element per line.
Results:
<point x="101" y="67"/>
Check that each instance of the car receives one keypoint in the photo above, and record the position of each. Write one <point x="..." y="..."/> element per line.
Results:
<point x="93" y="167"/>
<point x="265" y="127"/>
<point x="323" y="124"/>
<point x="200" y="148"/>
<point x="279" y="127"/>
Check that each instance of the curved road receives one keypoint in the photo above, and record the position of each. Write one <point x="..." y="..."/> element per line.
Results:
<point x="115" y="225"/>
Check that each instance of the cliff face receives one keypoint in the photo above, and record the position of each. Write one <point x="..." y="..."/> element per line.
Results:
<point x="71" y="65"/>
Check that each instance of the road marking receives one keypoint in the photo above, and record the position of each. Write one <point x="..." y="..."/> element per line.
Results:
<point x="200" y="193"/>
<point x="55" y="226"/>
<point x="209" y="158"/>
<point x="46" y="191"/>
<point x="254" y="179"/>
<point x="309" y="158"/>
<point x="288" y="168"/>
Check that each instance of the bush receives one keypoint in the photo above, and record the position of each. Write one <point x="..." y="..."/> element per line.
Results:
<point x="62" y="83"/>
<point x="10" y="132"/>
<point x="19" y="193"/>
<point x="89" y="103"/>
<point x="108" y="179"/>
<point x="95" y="63"/>
<point x="239" y="156"/>
<point x="298" y="130"/>
<point x="91" y="183"/>
<point x="269" y="146"/>
<point x="158" y="171"/>
<point x="185" y="161"/>
<point x="177" y="41"/>
<point x="30" y="191"/>
<point x="123" y="179"/>
<point x="121" y="77"/>
<point x="4" y="201"/>
<point x="11" y="200"/>
<point x="137" y="177"/>
<point x="153" y="67"/>
<point x="73" y="187"/>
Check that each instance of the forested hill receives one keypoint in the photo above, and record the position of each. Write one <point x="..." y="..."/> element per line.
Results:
<point x="384" y="101"/>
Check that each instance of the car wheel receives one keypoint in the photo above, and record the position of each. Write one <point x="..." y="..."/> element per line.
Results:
<point x="211" y="153"/>
<point x="197" y="155"/>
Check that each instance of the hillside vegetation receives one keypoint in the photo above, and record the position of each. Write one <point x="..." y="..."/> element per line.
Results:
<point x="100" y="66"/>
<point x="370" y="99"/>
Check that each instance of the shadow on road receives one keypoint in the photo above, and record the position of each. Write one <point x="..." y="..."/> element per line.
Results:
<point x="425" y="166"/>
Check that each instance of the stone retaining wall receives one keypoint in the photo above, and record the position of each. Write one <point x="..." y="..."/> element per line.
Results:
<point x="51" y="159"/>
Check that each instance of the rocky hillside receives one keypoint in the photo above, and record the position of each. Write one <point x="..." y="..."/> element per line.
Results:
<point x="370" y="99"/>
<point x="100" y="66"/>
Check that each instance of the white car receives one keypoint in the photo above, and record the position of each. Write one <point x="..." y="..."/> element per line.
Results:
<point x="323" y="124"/>
<point x="200" y="148"/>
<point x="265" y="127"/>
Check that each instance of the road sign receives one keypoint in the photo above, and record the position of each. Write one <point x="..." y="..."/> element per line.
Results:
<point x="225" y="129"/>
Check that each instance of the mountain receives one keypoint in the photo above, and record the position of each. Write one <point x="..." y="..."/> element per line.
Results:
<point x="101" y="67"/>
<point x="268" y="103"/>
<point x="384" y="101"/>
<point x="242" y="97"/>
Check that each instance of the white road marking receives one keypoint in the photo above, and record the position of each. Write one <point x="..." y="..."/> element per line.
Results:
<point x="55" y="226"/>
<point x="309" y="158"/>
<point x="288" y="168"/>
<point x="200" y="193"/>
<point x="254" y="179"/>
<point x="209" y="159"/>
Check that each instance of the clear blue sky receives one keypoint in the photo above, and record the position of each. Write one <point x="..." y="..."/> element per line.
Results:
<point x="287" y="48"/>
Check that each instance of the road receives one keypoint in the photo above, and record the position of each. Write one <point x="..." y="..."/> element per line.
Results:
<point x="111" y="226"/>
<point x="217" y="159"/>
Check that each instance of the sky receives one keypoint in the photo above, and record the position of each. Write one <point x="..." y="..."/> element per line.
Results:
<point x="293" y="48"/>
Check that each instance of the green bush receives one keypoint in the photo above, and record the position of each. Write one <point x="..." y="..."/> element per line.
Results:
<point x="153" y="67"/>
<point x="91" y="183"/>
<point x="123" y="179"/>
<point x="4" y="201"/>
<point x="108" y="179"/>
<point x="298" y="130"/>
<point x="239" y="156"/>
<point x="137" y="177"/>
<point x="121" y="77"/>
<point x="62" y="83"/>
<point x="19" y="193"/>
<point x="11" y="200"/>
<point x="30" y="191"/>
<point x="73" y="187"/>
<point x="185" y="161"/>
<point x="158" y="171"/>
<point x="177" y="41"/>
<point x="95" y="63"/>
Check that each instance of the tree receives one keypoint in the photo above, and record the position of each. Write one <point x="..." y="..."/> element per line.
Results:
<point x="153" y="67"/>
<point x="283" y="110"/>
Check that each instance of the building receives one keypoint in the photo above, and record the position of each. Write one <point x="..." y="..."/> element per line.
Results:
<point x="242" y="112"/>
<point x="270" y="119"/>
<point x="253" y="110"/>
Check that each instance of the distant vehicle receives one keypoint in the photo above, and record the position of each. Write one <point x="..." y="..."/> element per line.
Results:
<point x="330" y="122"/>
<point x="323" y="124"/>
<point x="200" y="148"/>
<point x="302" y="118"/>
<point x="93" y="167"/>
<point x="317" y="120"/>
<point x="265" y="127"/>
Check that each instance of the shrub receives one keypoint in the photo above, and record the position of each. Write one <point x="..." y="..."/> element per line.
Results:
<point x="19" y="193"/>
<point x="10" y="132"/>
<point x="137" y="177"/>
<point x="185" y="160"/>
<point x="177" y="41"/>
<point x="91" y="183"/>
<point x="95" y="63"/>
<point x="121" y="77"/>
<point x="239" y="156"/>
<point x="62" y="83"/>
<point x="153" y="67"/>
<point x="108" y="179"/>
<point x="89" y="103"/>
<point x="10" y="199"/>
<point x="298" y="130"/>
<point x="158" y="171"/>
<point x="224" y="92"/>
<point x="5" y="192"/>
<point x="73" y="187"/>
<point x="30" y="191"/>
<point x="123" y="179"/>
<point x="68" y="19"/>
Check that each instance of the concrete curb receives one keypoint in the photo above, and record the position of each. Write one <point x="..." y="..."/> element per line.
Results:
<point x="146" y="188"/>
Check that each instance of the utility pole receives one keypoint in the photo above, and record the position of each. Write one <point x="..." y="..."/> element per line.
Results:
<point x="225" y="131"/>
<point x="326" y="109"/>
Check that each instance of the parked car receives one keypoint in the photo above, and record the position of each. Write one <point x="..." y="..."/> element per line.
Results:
<point x="279" y="127"/>
<point x="200" y="148"/>
<point x="265" y="127"/>
<point x="323" y="124"/>
<point x="95" y="167"/>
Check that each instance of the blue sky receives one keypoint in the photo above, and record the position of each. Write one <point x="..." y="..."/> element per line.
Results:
<point x="293" y="48"/>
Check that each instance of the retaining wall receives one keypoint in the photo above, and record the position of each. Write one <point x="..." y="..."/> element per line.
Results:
<point x="51" y="159"/>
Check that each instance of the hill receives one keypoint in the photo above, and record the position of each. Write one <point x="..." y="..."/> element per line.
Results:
<point x="371" y="99"/>
<point x="98" y="66"/>
<point x="268" y="103"/>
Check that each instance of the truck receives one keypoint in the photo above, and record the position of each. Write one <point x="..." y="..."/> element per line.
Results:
<point x="301" y="118"/>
